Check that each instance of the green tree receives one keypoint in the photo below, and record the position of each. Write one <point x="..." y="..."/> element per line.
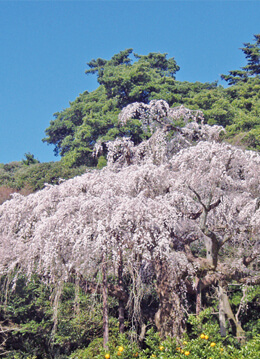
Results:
<point x="252" y="54"/>
<point x="133" y="82"/>
<point x="29" y="159"/>
<point x="94" y="116"/>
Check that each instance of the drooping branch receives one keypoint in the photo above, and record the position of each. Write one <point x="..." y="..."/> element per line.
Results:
<point x="195" y="215"/>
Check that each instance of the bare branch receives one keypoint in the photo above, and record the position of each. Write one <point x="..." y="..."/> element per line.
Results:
<point x="214" y="205"/>
<point x="250" y="259"/>
<point x="198" y="197"/>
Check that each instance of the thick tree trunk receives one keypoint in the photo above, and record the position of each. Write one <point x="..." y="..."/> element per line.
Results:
<point x="121" y="304"/>
<point x="211" y="241"/>
<point x="221" y="311"/>
<point x="198" y="296"/>
<point x="212" y="249"/>
<point x="226" y="308"/>
<point x="105" y="302"/>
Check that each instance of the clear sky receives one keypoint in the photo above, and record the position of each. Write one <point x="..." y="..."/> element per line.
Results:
<point x="45" y="46"/>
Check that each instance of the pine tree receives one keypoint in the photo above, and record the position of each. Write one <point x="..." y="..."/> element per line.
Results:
<point x="252" y="69"/>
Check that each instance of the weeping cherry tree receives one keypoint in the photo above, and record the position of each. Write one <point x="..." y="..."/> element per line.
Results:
<point x="146" y="209"/>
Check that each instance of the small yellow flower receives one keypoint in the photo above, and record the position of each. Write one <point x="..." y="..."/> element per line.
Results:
<point x="161" y="347"/>
<point x="206" y="337"/>
<point x="178" y="349"/>
<point x="121" y="349"/>
<point x="107" y="356"/>
<point x="212" y="344"/>
<point x="182" y="351"/>
<point x="221" y="349"/>
<point x="187" y="352"/>
<point x="185" y="343"/>
<point x="202" y="336"/>
<point x="153" y="355"/>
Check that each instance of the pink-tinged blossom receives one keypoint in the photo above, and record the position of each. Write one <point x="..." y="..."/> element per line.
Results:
<point x="143" y="206"/>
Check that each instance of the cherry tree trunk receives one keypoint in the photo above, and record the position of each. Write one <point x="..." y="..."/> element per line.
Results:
<point x="198" y="296"/>
<point x="212" y="249"/>
<point x="105" y="302"/>
<point x="221" y="311"/>
<point x="121" y="305"/>
<point x="226" y="310"/>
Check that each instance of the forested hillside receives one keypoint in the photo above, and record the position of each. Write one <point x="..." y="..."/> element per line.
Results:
<point x="143" y="241"/>
<point x="28" y="176"/>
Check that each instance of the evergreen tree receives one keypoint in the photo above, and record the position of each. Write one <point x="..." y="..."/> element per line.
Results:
<point x="252" y="69"/>
<point x="93" y="116"/>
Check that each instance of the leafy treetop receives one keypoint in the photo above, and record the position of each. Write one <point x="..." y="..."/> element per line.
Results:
<point x="29" y="159"/>
<point x="132" y="82"/>
<point x="252" y="69"/>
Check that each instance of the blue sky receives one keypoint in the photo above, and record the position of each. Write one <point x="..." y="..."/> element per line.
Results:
<point x="45" y="46"/>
